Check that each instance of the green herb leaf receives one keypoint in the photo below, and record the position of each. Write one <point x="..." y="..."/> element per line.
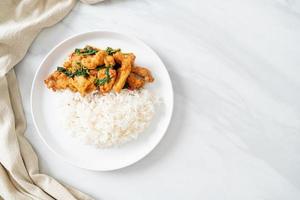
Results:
<point x="90" y="52"/>
<point x="100" y="67"/>
<point x="107" y="74"/>
<point x="100" y="82"/>
<point x="81" y="72"/>
<point x="86" y="51"/>
<point x="61" y="69"/>
<point x="65" y="71"/>
<point x="111" y="51"/>
<point x="77" y="51"/>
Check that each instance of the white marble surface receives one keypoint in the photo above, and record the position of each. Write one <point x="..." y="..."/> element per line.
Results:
<point x="235" y="66"/>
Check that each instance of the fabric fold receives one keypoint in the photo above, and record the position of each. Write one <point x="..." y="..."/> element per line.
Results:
<point x="20" y="23"/>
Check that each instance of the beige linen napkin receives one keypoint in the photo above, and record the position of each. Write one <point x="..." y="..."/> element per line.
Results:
<point x="20" y="22"/>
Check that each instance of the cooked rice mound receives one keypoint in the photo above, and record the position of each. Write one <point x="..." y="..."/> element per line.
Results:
<point x="107" y="120"/>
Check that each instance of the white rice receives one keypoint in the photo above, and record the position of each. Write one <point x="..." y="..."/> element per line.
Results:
<point x="107" y="120"/>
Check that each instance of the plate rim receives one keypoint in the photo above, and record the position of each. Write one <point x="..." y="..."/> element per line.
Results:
<point x="131" y="37"/>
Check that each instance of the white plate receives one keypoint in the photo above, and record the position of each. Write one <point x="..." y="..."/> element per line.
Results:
<point x="44" y="105"/>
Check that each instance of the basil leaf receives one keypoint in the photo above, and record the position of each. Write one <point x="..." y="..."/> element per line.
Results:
<point x="100" y="67"/>
<point x="111" y="51"/>
<point x="65" y="71"/>
<point x="81" y="72"/>
<point x="100" y="82"/>
<point x="90" y="52"/>
<point x="61" y="69"/>
<point x="86" y="51"/>
<point x="77" y="51"/>
<point x="107" y="73"/>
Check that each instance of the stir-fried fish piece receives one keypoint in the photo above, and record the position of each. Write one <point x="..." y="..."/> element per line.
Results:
<point x="109" y="61"/>
<point x="123" y="72"/>
<point x="93" y="72"/>
<point x="57" y="81"/>
<point x="138" y="77"/>
<point x="74" y="62"/>
<point x="119" y="57"/>
<point x="109" y="81"/>
<point x="91" y="62"/>
<point x="135" y="81"/>
<point x="82" y="84"/>
<point x="143" y="72"/>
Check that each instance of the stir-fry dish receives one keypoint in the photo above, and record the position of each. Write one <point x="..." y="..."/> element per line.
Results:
<point x="90" y="69"/>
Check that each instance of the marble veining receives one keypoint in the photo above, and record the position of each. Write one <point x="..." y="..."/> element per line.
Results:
<point x="235" y="132"/>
